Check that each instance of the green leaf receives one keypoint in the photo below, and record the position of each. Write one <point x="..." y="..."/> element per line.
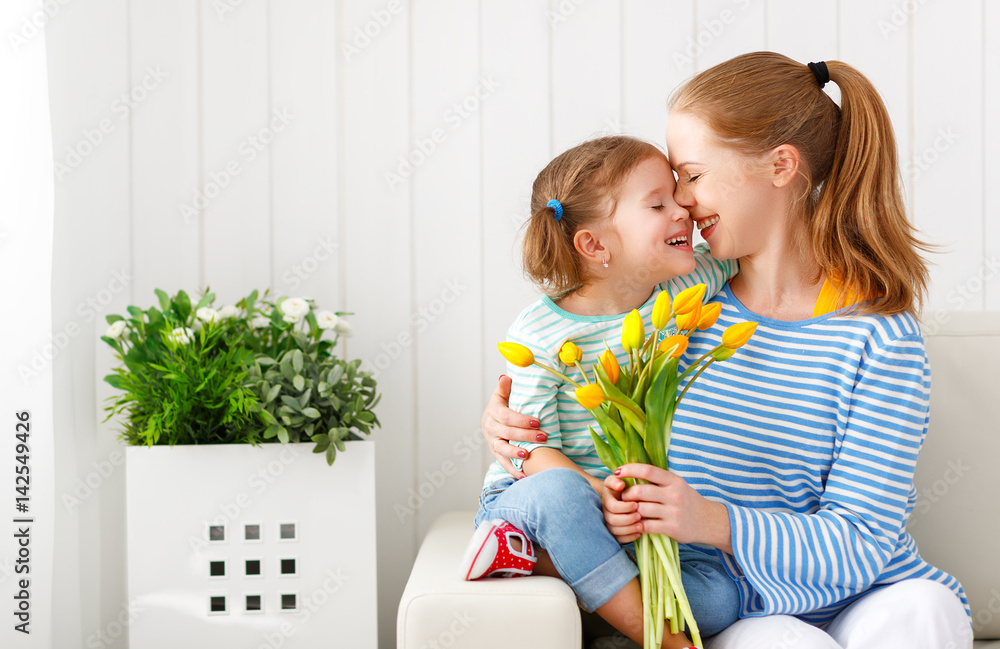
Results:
<point x="331" y="455"/>
<point x="288" y="372"/>
<point x="135" y="312"/>
<point x="604" y="451"/>
<point x="297" y="361"/>
<point x="113" y="318"/>
<point x="183" y="304"/>
<point x="283" y="435"/>
<point x="312" y="413"/>
<point x="115" y="381"/>
<point x="163" y="298"/>
<point x="264" y="360"/>
<point x="613" y="393"/>
<point x="291" y="402"/>
<point x="298" y="382"/>
<point x="322" y="442"/>
<point x="205" y="301"/>
<point x="271" y="431"/>
<point x="272" y="394"/>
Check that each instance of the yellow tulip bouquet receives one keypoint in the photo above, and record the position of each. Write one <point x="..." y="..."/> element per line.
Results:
<point x="635" y="408"/>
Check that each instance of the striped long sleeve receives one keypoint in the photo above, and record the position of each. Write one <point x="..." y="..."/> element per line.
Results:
<point x="810" y="436"/>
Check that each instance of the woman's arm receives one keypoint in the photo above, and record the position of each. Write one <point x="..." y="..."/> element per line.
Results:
<point x="501" y="425"/>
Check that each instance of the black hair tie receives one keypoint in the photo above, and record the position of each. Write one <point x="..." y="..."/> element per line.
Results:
<point x="821" y="73"/>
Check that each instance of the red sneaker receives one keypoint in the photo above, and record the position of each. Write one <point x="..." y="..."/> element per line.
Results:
<point x="491" y="554"/>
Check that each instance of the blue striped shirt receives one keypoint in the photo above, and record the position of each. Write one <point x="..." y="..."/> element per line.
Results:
<point x="543" y="327"/>
<point x="810" y="434"/>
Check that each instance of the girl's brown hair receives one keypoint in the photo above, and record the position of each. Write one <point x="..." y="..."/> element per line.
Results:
<point x="586" y="180"/>
<point x="859" y="232"/>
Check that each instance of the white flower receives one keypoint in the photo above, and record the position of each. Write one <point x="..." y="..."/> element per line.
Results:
<point x="294" y="306"/>
<point x="291" y="318"/>
<point x="228" y="311"/>
<point x="207" y="314"/>
<point x="116" y="329"/>
<point x="181" y="335"/>
<point x="344" y="328"/>
<point x="260" y="322"/>
<point x="326" y="320"/>
<point x="196" y="325"/>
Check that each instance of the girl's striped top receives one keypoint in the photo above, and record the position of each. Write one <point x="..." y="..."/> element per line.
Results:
<point x="809" y="435"/>
<point x="543" y="327"/>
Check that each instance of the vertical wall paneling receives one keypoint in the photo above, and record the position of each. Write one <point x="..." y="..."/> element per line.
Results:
<point x="163" y="106"/>
<point x="239" y="125"/>
<point x="877" y="42"/>
<point x="726" y="28"/>
<point x="586" y="71"/>
<point x="450" y="90"/>
<point x="516" y="136"/>
<point x="803" y="31"/>
<point x="991" y="162"/>
<point x="948" y="149"/>
<point x="91" y="278"/>
<point x="304" y="180"/>
<point x="377" y="245"/>
<point x="658" y="53"/>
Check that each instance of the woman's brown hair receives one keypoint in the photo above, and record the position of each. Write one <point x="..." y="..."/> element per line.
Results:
<point x="586" y="180"/>
<point x="859" y="232"/>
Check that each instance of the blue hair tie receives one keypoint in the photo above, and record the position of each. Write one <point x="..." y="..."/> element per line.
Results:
<point x="556" y="206"/>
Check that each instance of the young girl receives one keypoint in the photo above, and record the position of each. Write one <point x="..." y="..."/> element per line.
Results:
<point x="605" y="236"/>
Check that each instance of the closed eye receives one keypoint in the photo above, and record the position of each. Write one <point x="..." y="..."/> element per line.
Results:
<point x="658" y="208"/>
<point x="693" y="178"/>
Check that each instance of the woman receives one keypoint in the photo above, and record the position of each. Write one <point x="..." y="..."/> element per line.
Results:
<point x="794" y="460"/>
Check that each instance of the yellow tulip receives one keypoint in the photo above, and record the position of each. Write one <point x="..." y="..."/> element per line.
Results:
<point x="569" y="353"/>
<point x="688" y="321"/>
<point x="516" y="354"/>
<point x="633" y="331"/>
<point x="590" y="396"/>
<point x="681" y="342"/>
<point x="688" y="299"/>
<point x="738" y="334"/>
<point x="610" y="365"/>
<point x="661" y="310"/>
<point x="709" y="314"/>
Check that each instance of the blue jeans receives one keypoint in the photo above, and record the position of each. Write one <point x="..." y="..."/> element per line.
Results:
<point x="559" y="510"/>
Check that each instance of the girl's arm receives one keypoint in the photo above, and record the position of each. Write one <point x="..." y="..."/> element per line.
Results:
<point x="549" y="458"/>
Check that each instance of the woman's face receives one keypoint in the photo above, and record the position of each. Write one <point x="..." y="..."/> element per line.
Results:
<point x="733" y="208"/>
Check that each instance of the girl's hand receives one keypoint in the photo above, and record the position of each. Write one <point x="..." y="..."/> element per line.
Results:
<point x="500" y="424"/>
<point x="668" y="505"/>
<point x="620" y="517"/>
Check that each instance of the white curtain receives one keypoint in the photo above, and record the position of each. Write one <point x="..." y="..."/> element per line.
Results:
<point x="26" y="344"/>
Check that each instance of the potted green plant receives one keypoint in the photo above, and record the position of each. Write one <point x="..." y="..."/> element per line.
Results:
<point x="229" y="533"/>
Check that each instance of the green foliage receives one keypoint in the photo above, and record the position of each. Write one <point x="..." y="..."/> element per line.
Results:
<point x="253" y="372"/>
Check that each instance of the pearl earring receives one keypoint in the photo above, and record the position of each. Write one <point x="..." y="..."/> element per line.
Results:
<point x="604" y="262"/>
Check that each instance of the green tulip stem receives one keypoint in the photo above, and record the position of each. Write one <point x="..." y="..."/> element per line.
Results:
<point x="582" y="371"/>
<point x="557" y="373"/>
<point x="691" y="382"/>
<point x="638" y="411"/>
<point x="698" y="362"/>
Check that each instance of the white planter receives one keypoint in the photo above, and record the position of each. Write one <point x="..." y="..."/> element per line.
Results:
<point x="316" y="589"/>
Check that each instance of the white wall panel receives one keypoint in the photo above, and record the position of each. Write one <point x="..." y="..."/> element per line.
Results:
<point x="586" y="71"/>
<point x="163" y="107"/>
<point x="239" y="125"/>
<point x="726" y="28"/>
<point x="804" y="31"/>
<point x="991" y="163"/>
<point x="948" y="149"/>
<point x="450" y="90"/>
<point x="655" y="60"/>
<point x="304" y="227"/>
<point x="516" y="137"/>
<point x="377" y="248"/>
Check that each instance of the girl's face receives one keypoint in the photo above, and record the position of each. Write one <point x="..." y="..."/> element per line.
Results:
<point x="653" y="241"/>
<point x="733" y="208"/>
